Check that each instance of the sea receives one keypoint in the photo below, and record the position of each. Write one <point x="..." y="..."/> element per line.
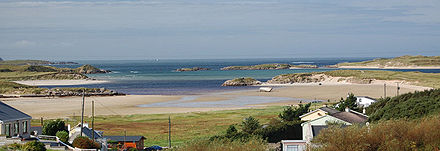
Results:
<point x="158" y="76"/>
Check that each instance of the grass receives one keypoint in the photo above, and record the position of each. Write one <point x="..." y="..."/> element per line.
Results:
<point x="185" y="126"/>
<point x="416" y="78"/>
<point x="23" y="62"/>
<point x="401" y="61"/>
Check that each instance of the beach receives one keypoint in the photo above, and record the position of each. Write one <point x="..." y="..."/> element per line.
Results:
<point x="293" y="94"/>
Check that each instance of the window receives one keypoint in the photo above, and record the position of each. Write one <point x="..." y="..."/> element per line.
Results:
<point x="15" y="128"/>
<point x="8" y="129"/>
<point x="292" y="148"/>
<point x="25" y="127"/>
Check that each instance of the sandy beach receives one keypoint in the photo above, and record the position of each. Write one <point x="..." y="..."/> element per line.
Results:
<point x="156" y="104"/>
<point x="59" y="82"/>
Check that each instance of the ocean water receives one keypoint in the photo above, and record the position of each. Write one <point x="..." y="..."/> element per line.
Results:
<point x="158" y="76"/>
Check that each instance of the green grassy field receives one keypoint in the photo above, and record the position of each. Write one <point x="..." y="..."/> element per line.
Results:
<point x="185" y="126"/>
<point x="402" y="61"/>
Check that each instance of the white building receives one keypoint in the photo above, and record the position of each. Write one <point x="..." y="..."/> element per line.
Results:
<point x="364" y="101"/>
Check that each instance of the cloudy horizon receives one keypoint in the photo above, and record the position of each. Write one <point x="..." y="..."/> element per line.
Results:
<point x="217" y="29"/>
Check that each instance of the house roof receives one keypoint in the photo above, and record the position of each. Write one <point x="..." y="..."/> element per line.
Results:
<point x="325" y="109"/>
<point x="329" y="110"/>
<point x="8" y="113"/>
<point x="88" y="132"/>
<point x="126" y="138"/>
<point x="366" y="97"/>
<point x="350" y="117"/>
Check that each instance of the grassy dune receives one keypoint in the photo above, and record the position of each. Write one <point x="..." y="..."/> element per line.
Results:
<point x="402" y="61"/>
<point x="416" y="78"/>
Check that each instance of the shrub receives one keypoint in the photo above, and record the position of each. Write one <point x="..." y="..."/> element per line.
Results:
<point x="409" y="105"/>
<point x="275" y="132"/>
<point x="402" y="134"/>
<point x="251" y="144"/>
<point x="349" y="102"/>
<point x="250" y="124"/>
<point x="34" y="146"/>
<point x="292" y="114"/>
<point x="52" y="127"/>
<point x="85" y="143"/>
<point x="63" y="136"/>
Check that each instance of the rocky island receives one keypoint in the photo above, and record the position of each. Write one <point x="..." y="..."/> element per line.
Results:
<point x="402" y="62"/>
<point x="191" y="69"/>
<point x="241" y="82"/>
<point x="11" y="74"/>
<point x="273" y="66"/>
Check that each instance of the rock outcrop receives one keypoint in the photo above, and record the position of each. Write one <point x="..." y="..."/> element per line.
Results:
<point x="241" y="82"/>
<point x="274" y="66"/>
<point x="89" y="69"/>
<point x="192" y="69"/>
<point x="297" y="78"/>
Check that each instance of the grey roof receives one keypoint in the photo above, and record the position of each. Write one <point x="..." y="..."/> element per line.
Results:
<point x="88" y="132"/>
<point x="351" y="117"/>
<point x="8" y="113"/>
<point x="317" y="128"/>
<point x="121" y="138"/>
<point x="329" y="110"/>
<point x="38" y="129"/>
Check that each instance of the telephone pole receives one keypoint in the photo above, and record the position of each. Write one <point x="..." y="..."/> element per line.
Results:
<point x="82" y="114"/>
<point x="169" y="132"/>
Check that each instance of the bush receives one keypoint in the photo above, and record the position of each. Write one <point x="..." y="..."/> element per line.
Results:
<point x="409" y="105"/>
<point x="63" y="136"/>
<point x="275" y="132"/>
<point x="292" y="114"/>
<point x="34" y="146"/>
<point x="402" y="134"/>
<point x="85" y="143"/>
<point x="349" y="102"/>
<point x="52" y="127"/>
<point x="250" y="124"/>
<point x="251" y="144"/>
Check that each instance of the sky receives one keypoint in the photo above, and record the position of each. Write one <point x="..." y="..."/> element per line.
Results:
<point x="217" y="29"/>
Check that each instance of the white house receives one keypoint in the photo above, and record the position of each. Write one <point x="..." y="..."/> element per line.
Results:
<point x="14" y="123"/>
<point x="364" y="101"/>
<point x="318" y="120"/>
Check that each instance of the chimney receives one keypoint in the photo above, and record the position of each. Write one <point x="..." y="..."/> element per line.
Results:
<point x="347" y="109"/>
<point x="363" y="111"/>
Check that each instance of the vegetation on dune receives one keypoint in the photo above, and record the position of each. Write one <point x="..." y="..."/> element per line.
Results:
<point x="402" y="134"/>
<point x="409" y="105"/>
<point x="402" y="61"/>
<point x="241" y="82"/>
<point x="251" y="144"/>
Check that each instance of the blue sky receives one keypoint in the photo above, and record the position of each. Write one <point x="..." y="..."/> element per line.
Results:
<point x="149" y="29"/>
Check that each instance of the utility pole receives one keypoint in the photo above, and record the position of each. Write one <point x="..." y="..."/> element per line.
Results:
<point x="41" y="121"/>
<point x="169" y="132"/>
<point x="384" y="90"/>
<point x="82" y="114"/>
<point x="93" y="120"/>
